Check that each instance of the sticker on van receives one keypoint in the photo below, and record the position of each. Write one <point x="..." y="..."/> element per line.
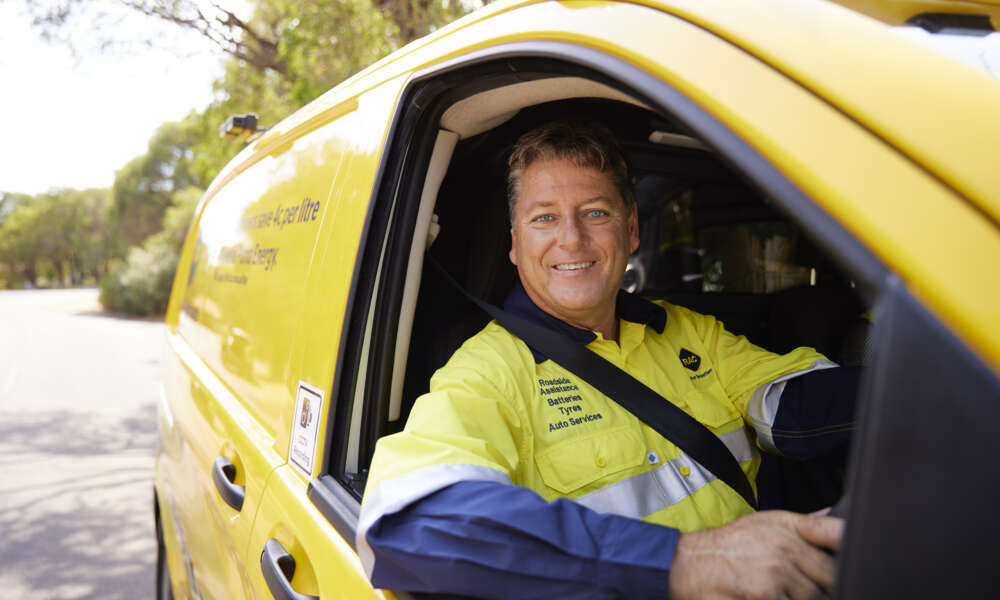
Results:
<point x="305" y="427"/>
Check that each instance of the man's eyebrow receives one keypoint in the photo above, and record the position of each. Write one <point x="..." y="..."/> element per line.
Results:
<point x="548" y="203"/>
<point x="542" y="203"/>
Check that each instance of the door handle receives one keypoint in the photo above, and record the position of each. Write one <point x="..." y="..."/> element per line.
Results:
<point x="278" y="567"/>
<point x="224" y="474"/>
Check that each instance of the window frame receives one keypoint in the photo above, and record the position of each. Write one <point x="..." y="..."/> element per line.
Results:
<point x="399" y="183"/>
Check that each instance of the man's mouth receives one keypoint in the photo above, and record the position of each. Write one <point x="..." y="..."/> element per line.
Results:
<point x="574" y="266"/>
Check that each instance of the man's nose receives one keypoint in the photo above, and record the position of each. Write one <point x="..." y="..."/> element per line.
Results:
<point x="571" y="233"/>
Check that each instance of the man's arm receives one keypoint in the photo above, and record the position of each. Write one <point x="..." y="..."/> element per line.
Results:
<point x="494" y="540"/>
<point x="800" y="404"/>
<point x="816" y="412"/>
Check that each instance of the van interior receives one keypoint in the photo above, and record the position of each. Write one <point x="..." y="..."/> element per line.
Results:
<point x="710" y="240"/>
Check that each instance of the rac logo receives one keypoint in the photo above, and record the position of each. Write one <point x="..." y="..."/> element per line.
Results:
<point x="690" y="360"/>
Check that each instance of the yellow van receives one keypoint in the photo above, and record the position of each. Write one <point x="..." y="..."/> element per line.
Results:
<point x="803" y="173"/>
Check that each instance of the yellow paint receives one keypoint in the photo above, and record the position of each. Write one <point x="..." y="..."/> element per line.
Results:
<point x="246" y="324"/>
<point x="897" y="12"/>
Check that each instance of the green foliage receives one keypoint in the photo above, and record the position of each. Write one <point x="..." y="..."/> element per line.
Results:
<point x="63" y="233"/>
<point x="178" y="218"/>
<point x="142" y="285"/>
<point x="416" y="18"/>
<point x="326" y="41"/>
<point x="142" y="189"/>
<point x="288" y="53"/>
<point x="20" y="243"/>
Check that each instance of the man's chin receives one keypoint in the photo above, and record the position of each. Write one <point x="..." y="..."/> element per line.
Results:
<point x="571" y="308"/>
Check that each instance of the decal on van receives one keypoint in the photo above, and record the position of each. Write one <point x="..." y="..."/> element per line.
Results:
<point x="305" y="428"/>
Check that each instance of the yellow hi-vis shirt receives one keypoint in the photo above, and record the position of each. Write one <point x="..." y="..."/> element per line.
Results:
<point x="493" y="413"/>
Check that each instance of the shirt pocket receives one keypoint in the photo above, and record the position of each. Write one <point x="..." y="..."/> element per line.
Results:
<point x="710" y="407"/>
<point x="573" y="464"/>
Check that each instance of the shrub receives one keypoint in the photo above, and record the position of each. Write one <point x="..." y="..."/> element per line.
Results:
<point x="141" y="285"/>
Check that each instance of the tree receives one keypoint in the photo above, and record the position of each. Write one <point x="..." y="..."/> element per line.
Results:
<point x="143" y="188"/>
<point x="263" y="39"/>
<point x="20" y="240"/>
<point x="179" y="216"/>
<point x="247" y="39"/>
<point x="142" y="283"/>
<point x="64" y="229"/>
<point x="416" y="18"/>
<point x="281" y="55"/>
<point x="326" y="41"/>
<point x="89" y="242"/>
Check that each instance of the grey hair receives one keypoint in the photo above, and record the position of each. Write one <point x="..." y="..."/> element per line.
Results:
<point x="584" y="143"/>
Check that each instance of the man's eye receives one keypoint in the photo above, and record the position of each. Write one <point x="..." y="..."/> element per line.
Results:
<point x="596" y="212"/>
<point x="543" y="219"/>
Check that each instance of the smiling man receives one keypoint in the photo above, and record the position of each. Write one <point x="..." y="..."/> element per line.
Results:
<point x="514" y="478"/>
<point x="572" y="234"/>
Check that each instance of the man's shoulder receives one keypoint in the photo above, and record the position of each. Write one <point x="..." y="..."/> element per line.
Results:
<point x="492" y="351"/>
<point x="678" y="314"/>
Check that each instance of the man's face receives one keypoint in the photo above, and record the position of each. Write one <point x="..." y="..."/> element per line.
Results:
<point x="571" y="239"/>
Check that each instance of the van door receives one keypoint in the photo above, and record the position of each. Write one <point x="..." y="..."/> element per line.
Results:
<point x="234" y="373"/>
<point x="289" y="530"/>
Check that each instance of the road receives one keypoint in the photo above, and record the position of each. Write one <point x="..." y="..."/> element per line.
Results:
<point x="78" y="393"/>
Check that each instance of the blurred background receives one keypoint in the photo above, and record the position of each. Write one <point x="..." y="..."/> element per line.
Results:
<point x="112" y="108"/>
<point x="111" y="112"/>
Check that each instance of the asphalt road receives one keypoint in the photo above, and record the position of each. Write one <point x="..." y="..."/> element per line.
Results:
<point x="78" y="393"/>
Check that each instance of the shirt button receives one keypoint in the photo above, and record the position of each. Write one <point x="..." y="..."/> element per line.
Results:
<point x="685" y="471"/>
<point x="600" y="462"/>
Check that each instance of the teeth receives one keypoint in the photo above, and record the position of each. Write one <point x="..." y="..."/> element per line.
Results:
<point x="574" y="266"/>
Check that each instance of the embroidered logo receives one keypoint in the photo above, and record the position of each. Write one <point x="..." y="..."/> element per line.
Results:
<point x="690" y="359"/>
<point x="562" y="394"/>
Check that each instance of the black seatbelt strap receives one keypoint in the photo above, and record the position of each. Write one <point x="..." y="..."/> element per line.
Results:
<point x="650" y="407"/>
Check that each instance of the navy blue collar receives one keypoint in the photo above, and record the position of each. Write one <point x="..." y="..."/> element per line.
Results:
<point x="627" y="306"/>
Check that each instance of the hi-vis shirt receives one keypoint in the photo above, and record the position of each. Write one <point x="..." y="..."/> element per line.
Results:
<point x="501" y="419"/>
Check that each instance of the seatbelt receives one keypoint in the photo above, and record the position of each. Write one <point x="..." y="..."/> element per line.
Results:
<point x="651" y="408"/>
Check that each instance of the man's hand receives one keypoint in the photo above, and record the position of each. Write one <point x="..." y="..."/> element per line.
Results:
<point x="771" y="554"/>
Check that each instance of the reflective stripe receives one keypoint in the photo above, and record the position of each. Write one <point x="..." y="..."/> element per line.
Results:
<point x="652" y="491"/>
<point x="393" y="495"/>
<point x="765" y="400"/>
<point x="739" y="444"/>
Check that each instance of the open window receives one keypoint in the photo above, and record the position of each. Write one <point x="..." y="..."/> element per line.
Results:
<point x="715" y="230"/>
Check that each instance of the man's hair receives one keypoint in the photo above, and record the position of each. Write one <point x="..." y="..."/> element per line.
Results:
<point x="586" y="144"/>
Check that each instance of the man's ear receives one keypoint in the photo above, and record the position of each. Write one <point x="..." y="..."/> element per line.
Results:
<point x="513" y="248"/>
<point x="633" y="224"/>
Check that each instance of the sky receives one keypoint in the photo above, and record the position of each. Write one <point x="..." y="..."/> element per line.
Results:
<point x="72" y="122"/>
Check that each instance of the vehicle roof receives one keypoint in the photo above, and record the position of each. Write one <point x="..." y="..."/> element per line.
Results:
<point x="938" y="111"/>
<point x="898" y="12"/>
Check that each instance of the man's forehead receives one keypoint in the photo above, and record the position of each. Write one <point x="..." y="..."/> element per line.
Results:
<point x="544" y="201"/>
<point x="547" y="163"/>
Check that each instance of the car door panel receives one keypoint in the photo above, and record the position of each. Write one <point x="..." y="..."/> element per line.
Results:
<point x="215" y="430"/>
<point x="326" y="565"/>
<point x="922" y="495"/>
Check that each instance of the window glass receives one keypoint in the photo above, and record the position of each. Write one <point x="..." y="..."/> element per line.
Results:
<point x="751" y="257"/>
<point x="709" y="239"/>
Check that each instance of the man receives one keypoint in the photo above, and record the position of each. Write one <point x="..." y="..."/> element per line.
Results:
<point x="516" y="479"/>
